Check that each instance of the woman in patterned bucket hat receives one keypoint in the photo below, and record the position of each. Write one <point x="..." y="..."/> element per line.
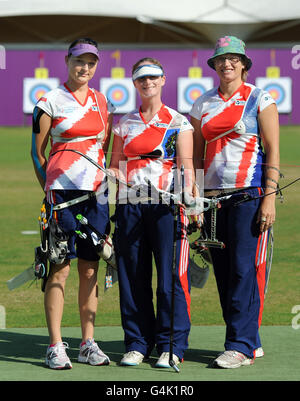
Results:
<point x="236" y="143"/>
<point x="232" y="45"/>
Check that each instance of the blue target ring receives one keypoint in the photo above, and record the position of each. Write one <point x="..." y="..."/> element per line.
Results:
<point x="37" y="91"/>
<point x="276" y="91"/>
<point x="192" y="92"/>
<point x="117" y="94"/>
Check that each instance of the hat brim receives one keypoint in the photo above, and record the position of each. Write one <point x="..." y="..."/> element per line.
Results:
<point x="247" y="60"/>
<point x="79" y="52"/>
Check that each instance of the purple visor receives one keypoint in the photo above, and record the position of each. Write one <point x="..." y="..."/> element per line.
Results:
<point x="82" y="48"/>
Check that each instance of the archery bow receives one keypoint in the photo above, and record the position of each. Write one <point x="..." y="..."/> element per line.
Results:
<point x="164" y="196"/>
<point x="201" y="204"/>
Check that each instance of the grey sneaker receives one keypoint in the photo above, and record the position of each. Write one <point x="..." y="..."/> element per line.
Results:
<point x="163" y="361"/>
<point x="132" y="358"/>
<point x="56" y="357"/>
<point x="90" y="353"/>
<point x="232" y="359"/>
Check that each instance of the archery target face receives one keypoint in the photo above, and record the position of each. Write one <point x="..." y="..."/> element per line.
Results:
<point x="37" y="92"/>
<point x="276" y="91"/>
<point x="34" y="89"/>
<point x="118" y="95"/>
<point x="192" y="92"/>
<point x="188" y="91"/>
<point x="120" y="92"/>
<point x="281" y="91"/>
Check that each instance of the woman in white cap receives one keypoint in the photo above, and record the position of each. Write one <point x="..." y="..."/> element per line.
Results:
<point x="152" y="142"/>
<point x="236" y="142"/>
<point x="73" y="116"/>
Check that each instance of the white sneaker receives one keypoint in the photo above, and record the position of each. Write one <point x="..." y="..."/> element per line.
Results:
<point x="232" y="359"/>
<point x="132" y="358"/>
<point x="163" y="361"/>
<point x="259" y="352"/>
<point x="90" y="353"/>
<point x="56" y="357"/>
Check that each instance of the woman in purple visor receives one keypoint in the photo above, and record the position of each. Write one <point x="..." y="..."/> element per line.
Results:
<point x="73" y="117"/>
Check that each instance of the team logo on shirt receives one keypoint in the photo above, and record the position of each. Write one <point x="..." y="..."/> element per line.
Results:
<point x="161" y="125"/>
<point x="171" y="144"/>
<point x="240" y="102"/>
<point x="69" y="109"/>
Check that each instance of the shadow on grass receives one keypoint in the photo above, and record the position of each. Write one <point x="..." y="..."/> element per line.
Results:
<point x="203" y="356"/>
<point x="31" y="349"/>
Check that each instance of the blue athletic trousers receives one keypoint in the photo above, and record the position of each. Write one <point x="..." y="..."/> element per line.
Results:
<point x="143" y="231"/>
<point x="240" y="271"/>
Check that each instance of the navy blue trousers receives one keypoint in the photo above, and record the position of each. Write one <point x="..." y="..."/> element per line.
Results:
<point x="144" y="231"/>
<point x="240" y="271"/>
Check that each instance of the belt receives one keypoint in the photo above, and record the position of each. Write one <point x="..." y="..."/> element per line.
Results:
<point x="74" y="201"/>
<point x="143" y="157"/>
<point x="223" y="192"/>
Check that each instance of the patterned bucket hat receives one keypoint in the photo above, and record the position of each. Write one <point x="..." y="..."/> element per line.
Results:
<point x="230" y="44"/>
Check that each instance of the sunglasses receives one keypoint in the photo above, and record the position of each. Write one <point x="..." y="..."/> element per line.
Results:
<point x="231" y="58"/>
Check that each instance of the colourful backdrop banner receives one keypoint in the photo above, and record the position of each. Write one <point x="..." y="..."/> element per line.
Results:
<point x="20" y="64"/>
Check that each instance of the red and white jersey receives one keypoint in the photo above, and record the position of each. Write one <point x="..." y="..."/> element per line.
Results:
<point x="234" y="155"/>
<point x="150" y="147"/>
<point x="78" y="126"/>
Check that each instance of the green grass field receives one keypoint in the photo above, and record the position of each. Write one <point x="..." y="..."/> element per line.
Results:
<point x="21" y="199"/>
<point x="22" y="353"/>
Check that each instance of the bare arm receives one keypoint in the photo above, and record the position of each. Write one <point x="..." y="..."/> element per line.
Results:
<point x="198" y="154"/>
<point x="117" y="157"/>
<point x="39" y="142"/>
<point x="184" y="157"/>
<point x="198" y="162"/>
<point x="269" y="126"/>
<point x="199" y="144"/>
<point x="108" y="133"/>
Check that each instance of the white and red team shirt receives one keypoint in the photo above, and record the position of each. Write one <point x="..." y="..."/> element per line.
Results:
<point x="150" y="147"/>
<point x="234" y="156"/>
<point x="76" y="126"/>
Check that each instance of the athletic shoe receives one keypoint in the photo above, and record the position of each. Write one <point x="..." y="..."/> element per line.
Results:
<point x="259" y="352"/>
<point x="90" y="353"/>
<point x="132" y="358"/>
<point x="232" y="359"/>
<point x="163" y="361"/>
<point x="56" y="357"/>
